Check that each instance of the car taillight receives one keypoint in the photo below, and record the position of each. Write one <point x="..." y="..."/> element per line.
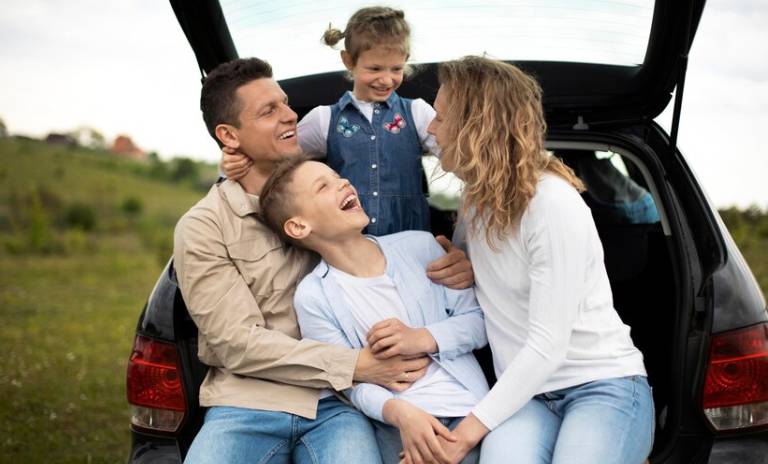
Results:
<point x="154" y="386"/>
<point x="736" y="388"/>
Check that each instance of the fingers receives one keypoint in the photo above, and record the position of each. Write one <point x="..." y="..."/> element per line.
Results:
<point x="416" y="364"/>
<point x="443" y="431"/>
<point x="446" y="260"/>
<point x="379" y="336"/>
<point x="458" y="281"/>
<point x="444" y="242"/>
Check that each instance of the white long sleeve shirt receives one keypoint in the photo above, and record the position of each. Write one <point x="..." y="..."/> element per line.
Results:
<point x="547" y="302"/>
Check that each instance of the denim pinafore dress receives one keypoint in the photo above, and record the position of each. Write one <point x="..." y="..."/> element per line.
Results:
<point x="382" y="159"/>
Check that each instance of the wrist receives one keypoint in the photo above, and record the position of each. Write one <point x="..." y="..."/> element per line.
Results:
<point x="392" y="411"/>
<point x="428" y="342"/>
<point x="470" y="431"/>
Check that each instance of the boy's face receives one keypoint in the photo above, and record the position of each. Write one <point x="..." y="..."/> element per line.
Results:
<point x="267" y="125"/>
<point x="326" y="205"/>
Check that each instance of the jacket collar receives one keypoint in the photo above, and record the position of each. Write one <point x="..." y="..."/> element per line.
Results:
<point x="241" y="202"/>
<point x="347" y="99"/>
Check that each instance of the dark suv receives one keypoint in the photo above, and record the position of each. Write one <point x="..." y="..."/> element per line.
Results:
<point x="678" y="280"/>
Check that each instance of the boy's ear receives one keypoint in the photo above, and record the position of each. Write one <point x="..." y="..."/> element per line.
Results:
<point x="227" y="135"/>
<point x="297" y="228"/>
<point x="346" y="58"/>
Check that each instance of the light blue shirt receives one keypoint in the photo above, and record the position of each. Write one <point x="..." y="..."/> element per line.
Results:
<point x="453" y="317"/>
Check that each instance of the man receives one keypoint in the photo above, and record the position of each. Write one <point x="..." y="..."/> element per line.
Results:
<point x="238" y="280"/>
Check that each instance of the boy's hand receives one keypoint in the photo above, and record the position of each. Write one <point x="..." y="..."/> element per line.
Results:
<point x="419" y="432"/>
<point x="452" y="270"/>
<point x="234" y="164"/>
<point x="391" y="337"/>
<point x="396" y="373"/>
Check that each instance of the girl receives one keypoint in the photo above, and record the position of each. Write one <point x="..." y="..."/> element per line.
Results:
<point x="371" y="135"/>
<point x="571" y="385"/>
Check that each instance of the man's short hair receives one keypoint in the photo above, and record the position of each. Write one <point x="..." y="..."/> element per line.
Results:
<point x="276" y="201"/>
<point x="218" y="100"/>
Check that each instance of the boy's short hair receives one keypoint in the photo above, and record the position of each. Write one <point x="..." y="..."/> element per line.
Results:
<point x="218" y="100"/>
<point x="276" y="201"/>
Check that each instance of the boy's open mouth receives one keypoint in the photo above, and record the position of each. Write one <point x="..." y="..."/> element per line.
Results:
<point x="350" y="203"/>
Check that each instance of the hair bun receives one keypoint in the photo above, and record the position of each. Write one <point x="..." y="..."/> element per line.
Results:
<point x="332" y="36"/>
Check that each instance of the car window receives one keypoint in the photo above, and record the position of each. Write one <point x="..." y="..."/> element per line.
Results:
<point x="287" y="34"/>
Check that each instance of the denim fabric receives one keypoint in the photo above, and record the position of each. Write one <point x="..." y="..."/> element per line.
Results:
<point x="238" y="435"/>
<point x="609" y="421"/>
<point x="382" y="159"/>
<point x="453" y="317"/>
<point x="391" y="445"/>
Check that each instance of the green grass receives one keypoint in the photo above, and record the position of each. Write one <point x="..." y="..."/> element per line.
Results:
<point x="68" y="312"/>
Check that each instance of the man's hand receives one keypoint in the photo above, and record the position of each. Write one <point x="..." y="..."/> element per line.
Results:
<point x="419" y="432"/>
<point x="234" y="164"/>
<point x="396" y="373"/>
<point x="452" y="270"/>
<point x="391" y="337"/>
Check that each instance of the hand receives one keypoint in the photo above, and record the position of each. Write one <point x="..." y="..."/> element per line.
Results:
<point x="452" y="270"/>
<point x="391" y="337"/>
<point x="467" y="435"/>
<point x="419" y="432"/>
<point x="397" y="373"/>
<point x="234" y="164"/>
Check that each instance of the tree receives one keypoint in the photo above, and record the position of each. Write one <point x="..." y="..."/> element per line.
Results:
<point x="3" y="129"/>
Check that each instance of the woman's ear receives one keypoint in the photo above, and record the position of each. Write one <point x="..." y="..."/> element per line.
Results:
<point x="227" y="135"/>
<point x="296" y="228"/>
<point x="346" y="58"/>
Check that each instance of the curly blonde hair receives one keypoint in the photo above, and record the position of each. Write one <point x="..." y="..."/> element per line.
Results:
<point x="495" y="125"/>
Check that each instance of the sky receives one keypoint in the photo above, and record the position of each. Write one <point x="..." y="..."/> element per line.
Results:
<point x="125" y="67"/>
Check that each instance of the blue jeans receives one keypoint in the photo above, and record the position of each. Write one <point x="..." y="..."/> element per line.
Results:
<point x="609" y="421"/>
<point x="391" y="445"/>
<point x="339" y="434"/>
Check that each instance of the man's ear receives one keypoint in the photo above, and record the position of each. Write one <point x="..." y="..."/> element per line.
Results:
<point x="227" y="135"/>
<point x="297" y="228"/>
<point x="346" y="58"/>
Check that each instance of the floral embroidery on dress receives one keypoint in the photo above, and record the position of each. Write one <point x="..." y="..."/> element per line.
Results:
<point x="345" y="128"/>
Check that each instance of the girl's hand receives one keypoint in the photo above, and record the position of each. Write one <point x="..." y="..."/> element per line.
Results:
<point x="453" y="269"/>
<point x="234" y="164"/>
<point x="391" y="337"/>
<point x="419" y="432"/>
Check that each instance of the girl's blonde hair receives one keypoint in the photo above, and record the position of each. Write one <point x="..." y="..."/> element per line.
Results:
<point x="369" y="27"/>
<point x="496" y="144"/>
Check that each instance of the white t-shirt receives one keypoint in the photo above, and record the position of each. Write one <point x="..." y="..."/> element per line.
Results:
<point x="548" y="305"/>
<point x="313" y="128"/>
<point x="373" y="299"/>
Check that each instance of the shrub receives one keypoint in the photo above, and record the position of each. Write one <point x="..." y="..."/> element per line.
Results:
<point x="80" y="216"/>
<point x="132" y="206"/>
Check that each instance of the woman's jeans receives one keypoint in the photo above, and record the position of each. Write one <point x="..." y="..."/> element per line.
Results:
<point x="339" y="434"/>
<point x="607" y="421"/>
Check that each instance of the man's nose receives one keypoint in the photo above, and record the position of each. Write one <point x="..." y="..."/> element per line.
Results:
<point x="288" y="114"/>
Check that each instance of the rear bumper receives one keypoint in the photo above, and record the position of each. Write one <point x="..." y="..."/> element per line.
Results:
<point x="146" y="449"/>
<point x="752" y="450"/>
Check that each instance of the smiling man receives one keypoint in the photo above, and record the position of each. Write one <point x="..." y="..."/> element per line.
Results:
<point x="238" y="279"/>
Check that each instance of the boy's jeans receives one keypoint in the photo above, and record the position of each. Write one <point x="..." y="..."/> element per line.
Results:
<point x="608" y="421"/>
<point x="339" y="434"/>
<point x="391" y="445"/>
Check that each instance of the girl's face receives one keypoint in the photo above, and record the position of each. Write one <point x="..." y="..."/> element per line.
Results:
<point x="377" y="73"/>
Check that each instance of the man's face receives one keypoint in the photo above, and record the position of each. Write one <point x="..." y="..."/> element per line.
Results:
<point x="326" y="203"/>
<point x="267" y="129"/>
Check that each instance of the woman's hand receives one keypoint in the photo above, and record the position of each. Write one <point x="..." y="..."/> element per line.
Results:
<point x="452" y="270"/>
<point x="391" y="337"/>
<point x="234" y="164"/>
<point x="419" y="432"/>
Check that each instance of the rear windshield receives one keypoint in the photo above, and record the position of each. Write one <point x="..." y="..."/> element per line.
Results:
<point x="287" y="33"/>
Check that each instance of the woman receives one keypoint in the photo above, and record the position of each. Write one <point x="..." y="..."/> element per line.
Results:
<point x="571" y="385"/>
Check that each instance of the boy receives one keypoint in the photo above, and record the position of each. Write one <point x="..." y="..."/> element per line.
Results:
<point x="373" y="291"/>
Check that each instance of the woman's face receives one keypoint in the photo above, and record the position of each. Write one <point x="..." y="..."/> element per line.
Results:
<point x="439" y="130"/>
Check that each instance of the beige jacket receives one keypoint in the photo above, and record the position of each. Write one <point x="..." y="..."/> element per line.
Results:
<point x="238" y="280"/>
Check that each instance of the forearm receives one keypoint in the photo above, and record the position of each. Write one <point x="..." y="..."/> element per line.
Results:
<point x="459" y="334"/>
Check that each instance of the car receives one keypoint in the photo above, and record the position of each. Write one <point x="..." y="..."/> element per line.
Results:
<point x="678" y="279"/>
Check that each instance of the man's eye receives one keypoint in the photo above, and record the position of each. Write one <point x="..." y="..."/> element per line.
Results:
<point x="322" y="186"/>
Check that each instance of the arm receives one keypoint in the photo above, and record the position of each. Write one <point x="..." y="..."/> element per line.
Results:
<point x="229" y="319"/>
<point x="312" y="130"/>
<point x="316" y="322"/>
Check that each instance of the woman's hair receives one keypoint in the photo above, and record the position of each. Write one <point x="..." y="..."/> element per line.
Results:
<point x="496" y="128"/>
<point x="369" y="27"/>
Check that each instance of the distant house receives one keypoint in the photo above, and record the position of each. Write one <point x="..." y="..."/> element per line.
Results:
<point x="124" y="146"/>
<point x="60" y="139"/>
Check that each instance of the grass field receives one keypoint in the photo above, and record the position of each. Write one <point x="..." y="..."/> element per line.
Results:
<point x="72" y="284"/>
